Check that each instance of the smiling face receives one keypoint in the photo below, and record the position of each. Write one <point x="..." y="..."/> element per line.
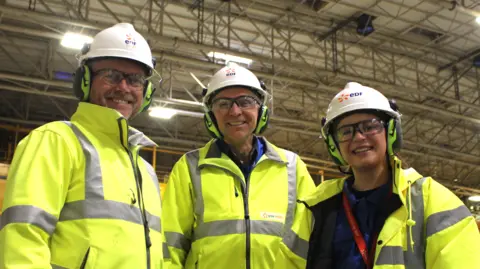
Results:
<point x="123" y="97"/>
<point x="363" y="151"/>
<point x="236" y="124"/>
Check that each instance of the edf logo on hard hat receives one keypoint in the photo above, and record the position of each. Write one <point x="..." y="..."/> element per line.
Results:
<point x="230" y="72"/>
<point x="130" y="41"/>
<point x="345" y="96"/>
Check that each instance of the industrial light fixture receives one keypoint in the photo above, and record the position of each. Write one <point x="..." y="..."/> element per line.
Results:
<point x="75" y="41"/>
<point x="228" y="57"/>
<point x="61" y="75"/>
<point x="162" y="112"/>
<point x="474" y="199"/>
<point x="365" y="24"/>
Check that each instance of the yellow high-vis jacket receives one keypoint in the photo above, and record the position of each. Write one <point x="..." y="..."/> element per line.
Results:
<point x="215" y="218"/>
<point x="432" y="228"/>
<point x="72" y="200"/>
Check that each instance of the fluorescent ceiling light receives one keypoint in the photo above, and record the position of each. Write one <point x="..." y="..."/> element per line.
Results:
<point x="228" y="57"/>
<point x="477" y="20"/>
<point x="75" y="41"/>
<point x="162" y="112"/>
<point x="475" y="198"/>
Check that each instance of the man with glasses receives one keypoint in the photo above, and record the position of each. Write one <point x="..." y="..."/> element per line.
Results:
<point x="78" y="193"/>
<point x="233" y="203"/>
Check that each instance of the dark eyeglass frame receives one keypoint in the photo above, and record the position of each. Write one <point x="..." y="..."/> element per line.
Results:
<point x="113" y="77"/>
<point x="237" y="100"/>
<point x="376" y="125"/>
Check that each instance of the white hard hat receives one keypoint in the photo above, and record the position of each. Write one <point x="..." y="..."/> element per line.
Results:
<point x="233" y="75"/>
<point x="120" y="41"/>
<point x="356" y="97"/>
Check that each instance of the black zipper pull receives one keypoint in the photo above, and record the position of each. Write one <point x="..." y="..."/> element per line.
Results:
<point x="236" y="192"/>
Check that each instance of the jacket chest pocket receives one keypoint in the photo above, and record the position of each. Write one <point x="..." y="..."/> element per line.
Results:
<point x="220" y="195"/>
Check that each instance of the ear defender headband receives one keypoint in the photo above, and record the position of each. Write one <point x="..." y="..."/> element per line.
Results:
<point x="393" y="135"/>
<point x="262" y="120"/>
<point x="82" y="84"/>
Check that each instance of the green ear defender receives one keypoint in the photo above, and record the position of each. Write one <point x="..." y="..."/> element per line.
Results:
<point x="262" y="121"/>
<point x="212" y="126"/>
<point x="334" y="151"/>
<point x="394" y="137"/>
<point x="148" y="91"/>
<point x="82" y="84"/>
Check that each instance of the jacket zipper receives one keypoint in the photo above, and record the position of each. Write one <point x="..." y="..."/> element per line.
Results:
<point x="141" y="205"/>
<point x="245" y="210"/>
<point x="247" y="222"/>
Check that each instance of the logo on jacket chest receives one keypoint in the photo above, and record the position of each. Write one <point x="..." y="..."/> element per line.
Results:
<point x="272" y="216"/>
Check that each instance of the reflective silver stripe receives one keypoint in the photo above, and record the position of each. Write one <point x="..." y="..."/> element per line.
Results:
<point x="153" y="221"/>
<point x="57" y="267"/>
<point x="192" y="158"/>
<point x="136" y="138"/>
<point x="153" y="175"/>
<point x="415" y="258"/>
<point x="178" y="240"/>
<point x="93" y="171"/>
<point x="412" y="258"/>
<point x="290" y="238"/>
<point x="292" y="188"/>
<point x="166" y="252"/>
<point x="106" y="209"/>
<point x="296" y="244"/>
<point x="439" y="221"/>
<point x="95" y="206"/>
<point x="31" y="215"/>
<point x="391" y="255"/>
<point x="226" y="227"/>
<point x="270" y="152"/>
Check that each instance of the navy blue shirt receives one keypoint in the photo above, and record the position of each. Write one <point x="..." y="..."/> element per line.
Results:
<point x="246" y="168"/>
<point x="368" y="209"/>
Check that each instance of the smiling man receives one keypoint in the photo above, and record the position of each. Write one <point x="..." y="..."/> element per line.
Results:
<point x="78" y="193"/>
<point x="232" y="204"/>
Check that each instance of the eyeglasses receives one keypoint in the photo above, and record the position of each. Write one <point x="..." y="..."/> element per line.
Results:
<point x="366" y="128"/>
<point x="114" y="77"/>
<point x="224" y="104"/>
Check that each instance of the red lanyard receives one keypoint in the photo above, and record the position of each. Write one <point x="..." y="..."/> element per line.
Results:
<point x="357" y="235"/>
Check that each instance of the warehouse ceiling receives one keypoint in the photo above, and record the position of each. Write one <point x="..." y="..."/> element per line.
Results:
<point x="421" y="53"/>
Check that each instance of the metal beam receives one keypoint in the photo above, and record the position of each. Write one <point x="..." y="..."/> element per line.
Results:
<point x="284" y="120"/>
<point x="175" y="43"/>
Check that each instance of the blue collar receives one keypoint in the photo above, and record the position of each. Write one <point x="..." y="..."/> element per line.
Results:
<point x="258" y="151"/>
<point x="376" y="196"/>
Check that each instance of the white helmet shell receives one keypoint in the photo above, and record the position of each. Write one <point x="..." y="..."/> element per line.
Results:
<point x="120" y="41"/>
<point x="233" y="75"/>
<point x="356" y="97"/>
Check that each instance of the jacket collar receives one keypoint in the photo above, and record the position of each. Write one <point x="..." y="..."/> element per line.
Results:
<point x="111" y="123"/>
<point x="212" y="155"/>
<point x="402" y="179"/>
<point x="270" y="150"/>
